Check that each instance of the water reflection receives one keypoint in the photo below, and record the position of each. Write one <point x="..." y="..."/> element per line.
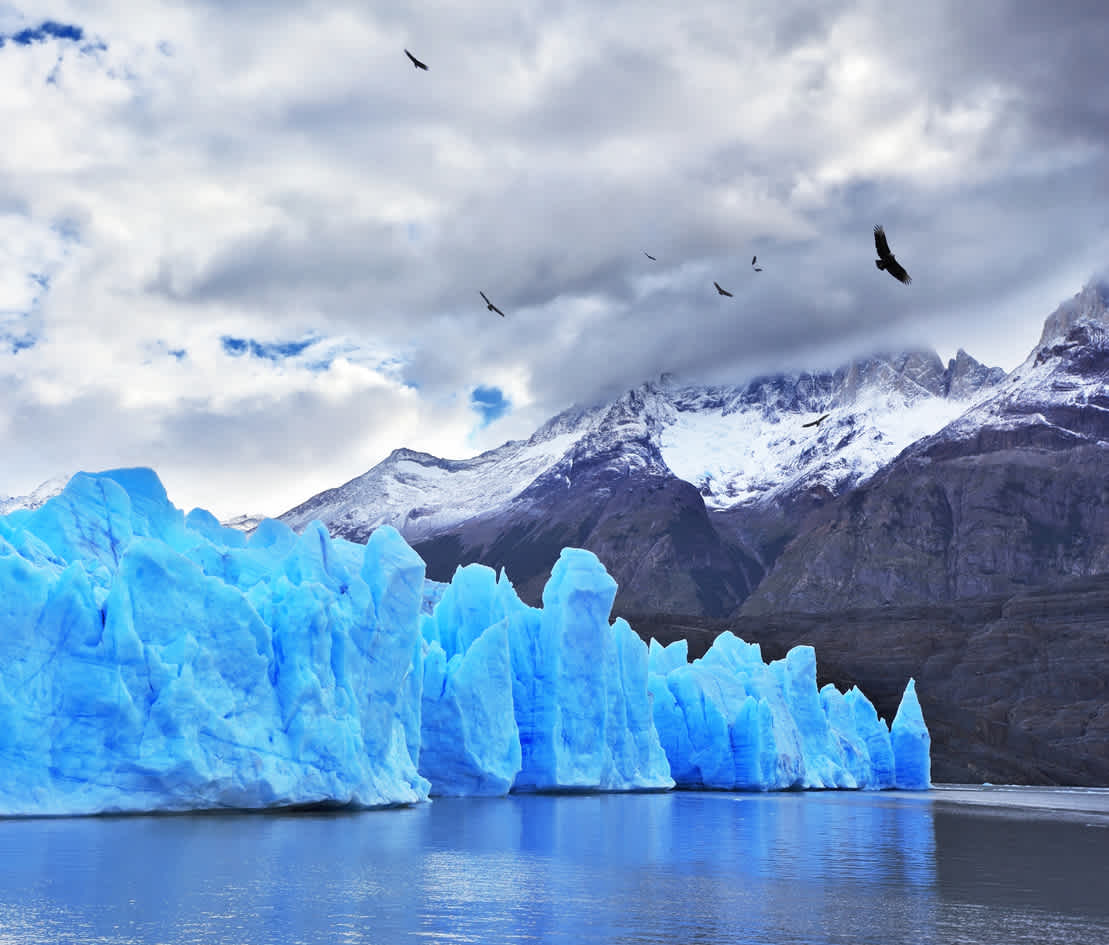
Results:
<point x="681" y="867"/>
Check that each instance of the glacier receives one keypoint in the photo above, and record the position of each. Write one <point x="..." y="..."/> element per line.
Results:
<point x="156" y="661"/>
<point x="729" y="721"/>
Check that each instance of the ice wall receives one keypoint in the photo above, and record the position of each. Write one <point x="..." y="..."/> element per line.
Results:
<point x="729" y="721"/>
<point x="575" y="714"/>
<point x="151" y="660"/>
<point x="154" y="662"/>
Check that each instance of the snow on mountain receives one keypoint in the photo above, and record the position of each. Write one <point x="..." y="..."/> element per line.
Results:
<point x="1063" y="384"/>
<point x="243" y="523"/>
<point x="420" y="494"/>
<point x="42" y="492"/>
<point x="757" y="455"/>
<point x="738" y="444"/>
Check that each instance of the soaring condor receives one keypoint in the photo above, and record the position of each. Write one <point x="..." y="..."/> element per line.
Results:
<point x="489" y="305"/>
<point x="886" y="260"/>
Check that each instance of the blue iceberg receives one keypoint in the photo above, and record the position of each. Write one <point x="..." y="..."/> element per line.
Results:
<point x="558" y="695"/>
<point x="729" y="721"/>
<point x="152" y="660"/>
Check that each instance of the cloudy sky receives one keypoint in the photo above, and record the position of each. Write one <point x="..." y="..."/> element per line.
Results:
<point x="242" y="243"/>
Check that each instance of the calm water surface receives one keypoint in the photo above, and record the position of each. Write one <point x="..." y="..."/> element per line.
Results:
<point x="948" y="867"/>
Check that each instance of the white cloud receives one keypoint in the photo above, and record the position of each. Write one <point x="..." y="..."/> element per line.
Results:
<point x="280" y="173"/>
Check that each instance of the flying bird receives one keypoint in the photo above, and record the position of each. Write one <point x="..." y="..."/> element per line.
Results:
<point x="649" y="256"/>
<point x="722" y="291"/>
<point x="886" y="260"/>
<point x="756" y="268"/>
<point x="416" y="62"/>
<point x="489" y="305"/>
<point x="816" y="422"/>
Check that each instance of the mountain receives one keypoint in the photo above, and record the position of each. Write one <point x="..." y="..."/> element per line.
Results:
<point x="687" y="492"/>
<point x="34" y="499"/>
<point x="1010" y="495"/>
<point x="244" y="523"/>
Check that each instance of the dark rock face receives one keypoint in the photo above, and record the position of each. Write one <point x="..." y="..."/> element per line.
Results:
<point x="649" y="528"/>
<point x="1014" y="494"/>
<point x="965" y="376"/>
<point x="597" y="478"/>
<point x="1015" y="689"/>
<point x="926" y="532"/>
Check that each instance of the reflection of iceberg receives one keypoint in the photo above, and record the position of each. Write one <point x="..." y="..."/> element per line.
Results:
<point x="152" y="660"/>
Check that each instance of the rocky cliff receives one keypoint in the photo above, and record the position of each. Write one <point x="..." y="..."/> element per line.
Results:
<point x="1013" y="494"/>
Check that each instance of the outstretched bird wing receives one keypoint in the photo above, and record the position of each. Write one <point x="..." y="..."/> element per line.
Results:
<point x="889" y="261"/>
<point x="722" y="291"/>
<point x="416" y="62"/>
<point x="881" y="244"/>
<point x="816" y="422"/>
<point x="753" y="258"/>
<point x="489" y="305"/>
<point x="895" y="269"/>
<point x="649" y="256"/>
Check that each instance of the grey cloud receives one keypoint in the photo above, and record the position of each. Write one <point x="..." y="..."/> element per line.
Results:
<point x="495" y="171"/>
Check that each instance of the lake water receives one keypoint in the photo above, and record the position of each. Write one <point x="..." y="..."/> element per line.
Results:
<point x="948" y="867"/>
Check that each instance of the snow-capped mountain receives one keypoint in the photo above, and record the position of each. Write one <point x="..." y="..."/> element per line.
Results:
<point x="42" y="492"/>
<point x="423" y="495"/>
<point x="737" y="444"/>
<point x="243" y="523"/>
<point x="636" y="479"/>
<point x="1013" y="493"/>
<point x="748" y="444"/>
<point x="1061" y="388"/>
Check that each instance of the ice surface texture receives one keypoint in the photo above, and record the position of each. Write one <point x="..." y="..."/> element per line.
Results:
<point x="729" y="721"/>
<point x="540" y="700"/>
<point x="151" y="660"/>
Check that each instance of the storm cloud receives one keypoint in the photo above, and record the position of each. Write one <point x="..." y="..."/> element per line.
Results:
<point x="238" y="178"/>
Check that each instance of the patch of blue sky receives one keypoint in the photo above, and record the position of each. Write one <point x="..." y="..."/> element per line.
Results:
<point x="16" y="343"/>
<point x="67" y="229"/>
<point x="48" y="29"/>
<point x="264" y="350"/>
<point x="490" y="403"/>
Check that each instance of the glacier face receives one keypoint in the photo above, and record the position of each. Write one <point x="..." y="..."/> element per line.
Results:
<point x="154" y="662"/>
<point x="729" y="721"/>
<point x="151" y="660"/>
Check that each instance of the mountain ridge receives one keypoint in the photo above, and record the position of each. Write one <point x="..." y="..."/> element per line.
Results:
<point x="640" y="480"/>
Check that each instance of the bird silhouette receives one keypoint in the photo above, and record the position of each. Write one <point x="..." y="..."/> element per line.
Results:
<point x="722" y="291"/>
<point x="816" y="422"/>
<point x="649" y="256"/>
<point x="753" y="266"/>
<point x="489" y="305"/>
<point x="886" y="260"/>
<point x="416" y="62"/>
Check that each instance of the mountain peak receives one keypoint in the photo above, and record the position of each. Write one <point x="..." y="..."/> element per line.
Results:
<point x="967" y="375"/>
<point x="1088" y="307"/>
